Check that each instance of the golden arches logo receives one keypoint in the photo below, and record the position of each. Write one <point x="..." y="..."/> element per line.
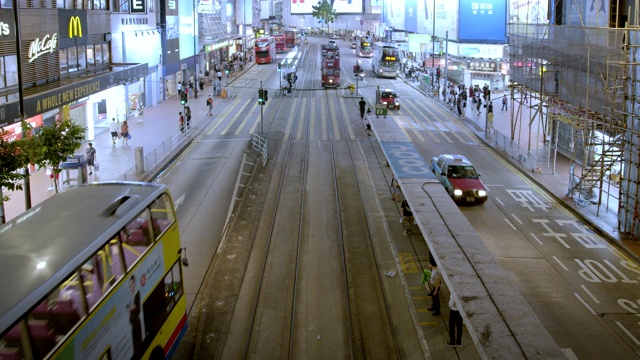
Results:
<point x="75" y="27"/>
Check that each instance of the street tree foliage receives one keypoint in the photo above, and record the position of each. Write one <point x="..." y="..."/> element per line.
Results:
<point x="12" y="159"/>
<point x="324" y="12"/>
<point x="53" y="144"/>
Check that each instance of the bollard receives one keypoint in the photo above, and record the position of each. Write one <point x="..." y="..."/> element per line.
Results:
<point x="139" y="158"/>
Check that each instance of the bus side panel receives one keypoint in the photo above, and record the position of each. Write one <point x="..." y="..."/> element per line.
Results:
<point x="112" y="327"/>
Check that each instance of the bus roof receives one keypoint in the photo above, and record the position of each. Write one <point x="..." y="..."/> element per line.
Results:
<point x="61" y="233"/>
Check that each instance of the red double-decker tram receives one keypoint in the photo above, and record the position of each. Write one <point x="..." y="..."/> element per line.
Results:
<point x="265" y="50"/>
<point x="330" y="65"/>
<point x="280" y="45"/>
<point x="292" y="38"/>
<point x="364" y="46"/>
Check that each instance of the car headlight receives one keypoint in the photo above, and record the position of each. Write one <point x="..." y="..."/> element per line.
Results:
<point x="384" y="103"/>
<point x="482" y="193"/>
<point x="457" y="192"/>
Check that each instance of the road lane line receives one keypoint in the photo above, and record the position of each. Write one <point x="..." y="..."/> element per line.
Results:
<point x="246" y="103"/>
<point x="498" y="200"/>
<point x="287" y="130"/>
<point x="560" y="263"/>
<point x="246" y="119"/>
<point x="222" y="116"/>
<point x="510" y="224"/>
<point x="535" y="237"/>
<point x="628" y="333"/>
<point x="590" y="294"/>
<point x="584" y="303"/>
<point x="515" y="217"/>
<point x="334" y="119"/>
<point x="347" y="123"/>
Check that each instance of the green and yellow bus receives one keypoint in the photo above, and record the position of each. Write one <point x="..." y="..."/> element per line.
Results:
<point x="94" y="272"/>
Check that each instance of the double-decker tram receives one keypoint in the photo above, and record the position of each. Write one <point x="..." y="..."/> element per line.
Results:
<point x="280" y="45"/>
<point x="330" y="65"/>
<point x="265" y="50"/>
<point x="292" y="38"/>
<point x="94" y="272"/>
<point x="385" y="61"/>
<point x="364" y="46"/>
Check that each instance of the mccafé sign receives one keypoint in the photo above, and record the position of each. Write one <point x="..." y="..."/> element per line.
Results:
<point x="39" y="47"/>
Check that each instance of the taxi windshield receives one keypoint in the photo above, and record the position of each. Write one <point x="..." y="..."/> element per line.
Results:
<point x="388" y="94"/>
<point x="462" y="172"/>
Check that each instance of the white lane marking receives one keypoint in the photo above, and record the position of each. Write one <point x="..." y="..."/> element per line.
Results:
<point x="535" y="237"/>
<point x="560" y="263"/>
<point x="524" y="186"/>
<point x="179" y="201"/>
<point x="584" y="303"/>
<point x="500" y="201"/>
<point x="628" y="333"/>
<point x="590" y="294"/>
<point x="510" y="224"/>
<point x="515" y="217"/>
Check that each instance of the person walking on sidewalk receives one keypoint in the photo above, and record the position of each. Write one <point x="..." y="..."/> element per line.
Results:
<point x="113" y="128"/>
<point x="436" y="280"/>
<point x="179" y="86"/>
<point x="181" y="122"/>
<point x="504" y="103"/>
<point x="455" y="324"/>
<point x="367" y="122"/>
<point x="209" y="105"/>
<point x="490" y="115"/>
<point x="90" y="154"/>
<point x="478" y="104"/>
<point x="363" y="105"/>
<point x="187" y="115"/>
<point x="124" y="131"/>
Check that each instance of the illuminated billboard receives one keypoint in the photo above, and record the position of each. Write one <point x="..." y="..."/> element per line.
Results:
<point x="483" y="21"/>
<point x="446" y="19"/>
<point x="528" y="11"/>
<point x="340" y="6"/>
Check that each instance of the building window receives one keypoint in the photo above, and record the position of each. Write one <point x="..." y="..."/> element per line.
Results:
<point x="98" y="54"/>
<point x="91" y="59"/>
<point x="72" y="55"/>
<point x="106" y="58"/>
<point x="151" y="6"/>
<point x="64" y="67"/>
<point x="82" y="57"/>
<point x="121" y="6"/>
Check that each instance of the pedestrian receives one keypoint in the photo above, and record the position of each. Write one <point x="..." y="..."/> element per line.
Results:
<point x="436" y="280"/>
<point x="459" y="105"/>
<point x="504" y="103"/>
<point x="219" y="75"/>
<point x="179" y="86"/>
<point x="124" y="131"/>
<point x="367" y="122"/>
<point x="187" y="115"/>
<point x="490" y="115"/>
<point x="455" y="324"/>
<point x="478" y="104"/>
<point x="113" y="128"/>
<point x="181" y="122"/>
<point x="209" y="105"/>
<point x="90" y="155"/>
<point x="407" y="217"/>
<point x="363" y="105"/>
<point x="525" y="98"/>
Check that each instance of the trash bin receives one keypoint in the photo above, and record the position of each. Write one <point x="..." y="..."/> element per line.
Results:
<point x="223" y="94"/>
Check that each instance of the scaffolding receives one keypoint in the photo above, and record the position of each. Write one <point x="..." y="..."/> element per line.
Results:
<point x="583" y="84"/>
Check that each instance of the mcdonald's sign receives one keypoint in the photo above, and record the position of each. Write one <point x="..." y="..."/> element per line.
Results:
<point x="75" y="27"/>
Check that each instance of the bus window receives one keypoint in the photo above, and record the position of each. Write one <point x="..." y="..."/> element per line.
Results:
<point x="161" y="214"/>
<point x="161" y="301"/>
<point x="136" y="238"/>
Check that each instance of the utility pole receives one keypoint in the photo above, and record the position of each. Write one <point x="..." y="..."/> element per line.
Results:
<point x="261" y="105"/>
<point x="27" y="183"/>
<point x="446" y="60"/>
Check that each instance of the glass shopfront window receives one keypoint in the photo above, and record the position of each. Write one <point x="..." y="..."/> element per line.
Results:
<point x="98" y="54"/>
<point x="72" y="55"/>
<point x="106" y="58"/>
<point x="64" y="67"/>
<point x="8" y="71"/>
<point x="91" y="60"/>
<point x="82" y="57"/>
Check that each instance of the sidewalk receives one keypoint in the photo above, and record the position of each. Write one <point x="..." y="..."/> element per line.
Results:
<point x="158" y="124"/>
<point x="552" y="172"/>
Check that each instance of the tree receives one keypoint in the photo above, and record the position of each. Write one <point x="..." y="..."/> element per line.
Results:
<point x="53" y="144"/>
<point x="12" y="158"/>
<point x="325" y="12"/>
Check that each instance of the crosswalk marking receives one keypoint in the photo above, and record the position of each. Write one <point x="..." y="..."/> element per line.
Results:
<point x="454" y="129"/>
<point x="222" y="116"/>
<point x="250" y="116"/>
<point x="224" y="131"/>
<point x="347" y="123"/>
<point x="287" y="130"/>
<point x="323" y="118"/>
<point x="334" y="119"/>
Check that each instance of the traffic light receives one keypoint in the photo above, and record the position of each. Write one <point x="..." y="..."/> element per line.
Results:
<point x="183" y="98"/>
<point x="260" y="97"/>
<point x="266" y="96"/>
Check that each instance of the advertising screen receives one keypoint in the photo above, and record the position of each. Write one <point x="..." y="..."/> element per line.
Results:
<point x="187" y="26"/>
<point x="528" y="11"/>
<point x="340" y="6"/>
<point x="483" y="21"/>
<point x="446" y="19"/>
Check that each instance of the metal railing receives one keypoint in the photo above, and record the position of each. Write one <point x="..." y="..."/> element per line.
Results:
<point x="154" y="159"/>
<point x="528" y="159"/>
<point x="259" y="144"/>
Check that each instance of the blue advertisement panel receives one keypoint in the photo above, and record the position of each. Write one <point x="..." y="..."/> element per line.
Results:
<point x="483" y="21"/>
<point x="187" y="26"/>
<point x="406" y="161"/>
<point x="410" y="16"/>
<point x="340" y="6"/>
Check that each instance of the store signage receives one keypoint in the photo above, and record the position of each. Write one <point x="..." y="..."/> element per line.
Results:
<point x="75" y="27"/>
<point x="7" y="28"/>
<point x="137" y="6"/>
<point x="39" y="47"/>
<point x="134" y="21"/>
<point x="205" y="7"/>
<point x="483" y="66"/>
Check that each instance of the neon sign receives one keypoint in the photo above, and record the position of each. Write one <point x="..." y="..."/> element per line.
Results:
<point x="40" y="47"/>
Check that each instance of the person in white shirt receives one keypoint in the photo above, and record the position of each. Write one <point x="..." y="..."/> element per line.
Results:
<point x="455" y="324"/>
<point x="113" y="128"/>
